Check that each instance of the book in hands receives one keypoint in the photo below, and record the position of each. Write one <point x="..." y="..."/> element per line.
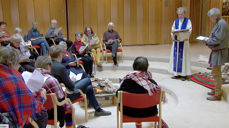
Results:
<point x="178" y="31"/>
<point x="202" y="38"/>
<point x="83" y="48"/>
<point x="75" y="78"/>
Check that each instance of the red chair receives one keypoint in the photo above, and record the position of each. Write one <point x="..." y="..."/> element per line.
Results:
<point x="139" y="101"/>
<point x="107" y="51"/>
<point x="52" y="103"/>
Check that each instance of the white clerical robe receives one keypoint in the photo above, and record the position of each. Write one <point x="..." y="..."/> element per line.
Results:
<point x="183" y="60"/>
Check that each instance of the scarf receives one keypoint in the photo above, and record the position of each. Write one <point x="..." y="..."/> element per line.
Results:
<point x="142" y="78"/>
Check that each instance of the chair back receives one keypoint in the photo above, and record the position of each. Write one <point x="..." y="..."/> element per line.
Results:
<point x="49" y="102"/>
<point x="140" y="100"/>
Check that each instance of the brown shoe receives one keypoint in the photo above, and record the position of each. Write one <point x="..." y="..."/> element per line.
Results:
<point x="99" y="65"/>
<point x="211" y="93"/>
<point x="214" y="98"/>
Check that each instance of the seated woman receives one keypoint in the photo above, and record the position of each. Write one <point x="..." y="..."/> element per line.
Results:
<point x="16" y="100"/>
<point x="139" y="81"/>
<point x="70" y="62"/>
<point x="90" y="38"/>
<point x="51" y="85"/>
<point x="24" y="46"/>
<point x="81" y="52"/>
<point x="37" y="39"/>
<point x="4" y="34"/>
<point x="26" y="63"/>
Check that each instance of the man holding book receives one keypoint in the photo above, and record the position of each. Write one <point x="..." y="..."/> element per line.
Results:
<point x="180" y="58"/>
<point x="218" y="42"/>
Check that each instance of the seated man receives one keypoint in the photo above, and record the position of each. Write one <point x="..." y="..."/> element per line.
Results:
<point x="61" y="74"/>
<point x="37" y="39"/>
<point x="26" y="63"/>
<point x="55" y="33"/>
<point x="139" y="81"/>
<point x="4" y="34"/>
<point x="111" y="39"/>
<point x="16" y="100"/>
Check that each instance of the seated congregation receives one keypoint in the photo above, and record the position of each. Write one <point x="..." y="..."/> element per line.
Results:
<point x="54" y="62"/>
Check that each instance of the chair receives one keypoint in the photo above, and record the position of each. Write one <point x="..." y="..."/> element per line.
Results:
<point x="33" y="123"/>
<point x="52" y="102"/>
<point x="81" y="98"/>
<point x="107" y="51"/>
<point x="50" y="41"/>
<point x="126" y="99"/>
<point x="33" y="47"/>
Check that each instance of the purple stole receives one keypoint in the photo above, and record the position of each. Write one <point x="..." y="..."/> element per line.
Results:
<point x="178" y="59"/>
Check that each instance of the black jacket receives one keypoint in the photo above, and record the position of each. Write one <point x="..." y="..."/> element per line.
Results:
<point x="131" y="86"/>
<point x="61" y="74"/>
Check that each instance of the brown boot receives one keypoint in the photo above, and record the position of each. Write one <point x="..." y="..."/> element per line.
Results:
<point x="214" y="98"/>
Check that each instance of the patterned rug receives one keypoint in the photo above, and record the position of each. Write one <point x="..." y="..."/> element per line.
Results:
<point x="209" y="83"/>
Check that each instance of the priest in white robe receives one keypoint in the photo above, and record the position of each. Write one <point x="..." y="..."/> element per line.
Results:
<point x="179" y="63"/>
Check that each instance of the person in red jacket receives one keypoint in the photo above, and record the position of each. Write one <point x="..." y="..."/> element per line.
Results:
<point x="4" y="34"/>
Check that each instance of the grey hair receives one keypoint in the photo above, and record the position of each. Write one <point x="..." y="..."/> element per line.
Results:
<point x="181" y="9"/>
<point x="141" y="64"/>
<point x="17" y="30"/>
<point x="63" y="43"/>
<point x="214" y="12"/>
<point x="43" y="62"/>
<point x="77" y="33"/>
<point x="35" y="23"/>
<point x="9" y="56"/>
<point x="111" y="24"/>
<point x="53" y="21"/>
<point x="16" y="38"/>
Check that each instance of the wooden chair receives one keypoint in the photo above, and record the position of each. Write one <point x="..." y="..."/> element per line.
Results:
<point x="33" y="47"/>
<point x="51" y="41"/>
<point x="52" y="103"/>
<point x="81" y="98"/>
<point x="139" y="101"/>
<point x="33" y="123"/>
<point x="107" y="51"/>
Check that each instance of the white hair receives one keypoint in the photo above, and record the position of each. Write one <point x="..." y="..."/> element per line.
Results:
<point x="63" y="43"/>
<point x="17" y="30"/>
<point x="111" y="24"/>
<point x="214" y="12"/>
<point x="181" y="9"/>
<point x="9" y="56"/>
<point x="53" y="21"/>
<point x="16" y="38"/>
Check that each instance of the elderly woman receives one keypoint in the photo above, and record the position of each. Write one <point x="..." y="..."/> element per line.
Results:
<point x="37" y="39"/>
<point x="26" y="63"/>
<point x="139" y="81"/>
<point x="111" y="39"/>
<point x="218" y="43"/>
<point x="92" y="40"/>
<point x="55" y="33"/>
<point x="51" y="85"/>
<point x="16" y="100"/>
<point x="81" y="52"/>
<point x="70" y="62"/>
<point x="24" y="46"/>
<point x="4" y="34"/>
<point x="179" y="63"/>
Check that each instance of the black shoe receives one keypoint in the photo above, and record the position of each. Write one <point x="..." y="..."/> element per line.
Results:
<point x="176" y="77"/>
<point x="102" y="113"/>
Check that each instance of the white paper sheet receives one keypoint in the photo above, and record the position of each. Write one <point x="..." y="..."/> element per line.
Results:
<point x="36" y="81"/>
<point x="75" y="77"/>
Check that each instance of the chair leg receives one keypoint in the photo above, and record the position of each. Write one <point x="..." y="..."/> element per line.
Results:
<point x="155" y="124"/>
<point x="106" y="58"/>
<point x="117" y="118"/>
<point x="138" y="125"/>
<point x="85" y="107"/>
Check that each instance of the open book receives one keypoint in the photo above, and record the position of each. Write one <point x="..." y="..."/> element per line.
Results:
<point x="202" y="38"/>
<point x="75" y="78"/>
<point x="27" y="43"/>
<point x="34" y="81"/>
<point x="82" y="48"/>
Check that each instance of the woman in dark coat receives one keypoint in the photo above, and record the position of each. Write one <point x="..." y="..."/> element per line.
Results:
<point x="70" y="62"/>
